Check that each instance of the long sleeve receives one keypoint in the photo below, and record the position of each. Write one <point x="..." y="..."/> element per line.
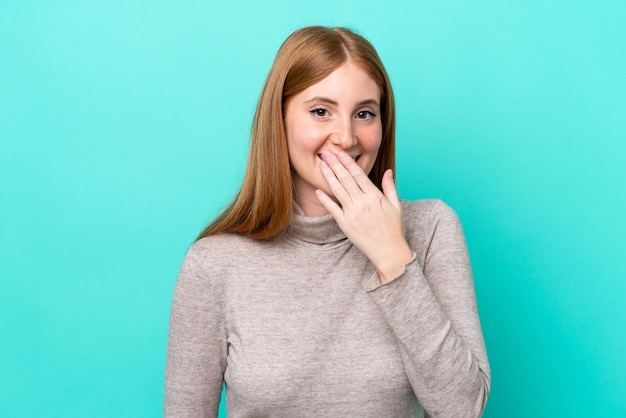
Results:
<point x="196" y="352"/>
<point x="432" y="311"/>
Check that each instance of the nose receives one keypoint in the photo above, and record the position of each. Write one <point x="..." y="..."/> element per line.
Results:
<point x="344" y="134"/>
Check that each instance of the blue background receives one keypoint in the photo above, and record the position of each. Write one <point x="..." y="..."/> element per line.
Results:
<point x="124" y="129"/>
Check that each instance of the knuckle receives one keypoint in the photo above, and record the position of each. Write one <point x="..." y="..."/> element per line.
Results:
<point x="345" y="178"/>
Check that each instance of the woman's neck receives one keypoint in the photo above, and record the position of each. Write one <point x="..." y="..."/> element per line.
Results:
<point x="311" y="206"/>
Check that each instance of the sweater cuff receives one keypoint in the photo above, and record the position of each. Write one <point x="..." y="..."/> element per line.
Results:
<point x="374" y="281"/>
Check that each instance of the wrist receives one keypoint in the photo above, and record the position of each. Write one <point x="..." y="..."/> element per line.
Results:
<point x="394" y="263"/>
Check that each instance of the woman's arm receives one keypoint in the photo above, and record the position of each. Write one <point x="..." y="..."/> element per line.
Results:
<point x="431" y="308"/>
<point x="196" y="349"/>
<point x="432" y="312"/>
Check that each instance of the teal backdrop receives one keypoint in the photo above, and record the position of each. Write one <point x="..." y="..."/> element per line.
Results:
<point x="124" y="128"/>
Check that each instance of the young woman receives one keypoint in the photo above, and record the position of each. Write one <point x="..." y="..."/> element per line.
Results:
<point x="318" y="293"/>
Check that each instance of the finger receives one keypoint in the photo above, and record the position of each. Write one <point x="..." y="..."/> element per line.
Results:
<point x="338" y="189"/>
<point x="341" y="173"/>
<point x="389" y="189"/>
<point x="333" y="208"/>
<point x="359" y="176"/>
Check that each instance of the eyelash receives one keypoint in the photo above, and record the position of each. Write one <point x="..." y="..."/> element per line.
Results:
<point x="317" y="110"/>
<point x="369" y="114"/>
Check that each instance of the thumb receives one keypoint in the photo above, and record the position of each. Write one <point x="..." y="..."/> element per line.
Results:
<point x="389" y="189"/>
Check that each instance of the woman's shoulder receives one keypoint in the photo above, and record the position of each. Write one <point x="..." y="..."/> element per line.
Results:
<point x="220" y="243"/>
<point x="218" y="250"/>
<point x="425" y="218"/>
<point x="426" y="210"/>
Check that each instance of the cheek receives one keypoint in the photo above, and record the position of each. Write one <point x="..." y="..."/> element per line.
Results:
<point x="305" y="139"/>
<point x="373" y="139"/>
<point x="371" y="145"/>
<point x="302" y="146"/>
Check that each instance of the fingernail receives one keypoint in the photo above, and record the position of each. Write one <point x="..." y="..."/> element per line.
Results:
<point x="320" y="195"/>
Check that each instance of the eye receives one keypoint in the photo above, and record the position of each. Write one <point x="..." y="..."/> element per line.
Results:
<point x="320" y="112"/>
<point x="365" y="114"/>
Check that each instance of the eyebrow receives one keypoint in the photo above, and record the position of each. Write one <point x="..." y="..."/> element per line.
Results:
<point x="332" y="102"/>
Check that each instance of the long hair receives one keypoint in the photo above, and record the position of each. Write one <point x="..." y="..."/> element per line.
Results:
<point x="263" y="208"/>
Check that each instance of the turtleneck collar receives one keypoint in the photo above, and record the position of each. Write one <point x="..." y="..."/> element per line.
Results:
<point x="316" y="232"/>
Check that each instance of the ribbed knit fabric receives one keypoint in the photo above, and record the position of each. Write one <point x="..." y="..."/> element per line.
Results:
<point x="302" y="327"/>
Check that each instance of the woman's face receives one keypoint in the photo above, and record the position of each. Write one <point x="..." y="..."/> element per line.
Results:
<point x="341" y="112"/>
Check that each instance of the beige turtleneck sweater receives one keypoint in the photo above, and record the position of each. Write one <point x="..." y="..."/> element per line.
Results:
<point x="302" y="327"/>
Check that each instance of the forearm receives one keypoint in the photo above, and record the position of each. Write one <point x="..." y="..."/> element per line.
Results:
<point x="449" y="372"/>
<point x="431" y="308"/>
